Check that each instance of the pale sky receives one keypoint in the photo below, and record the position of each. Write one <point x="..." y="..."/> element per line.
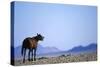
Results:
<point x="63" y="26"/>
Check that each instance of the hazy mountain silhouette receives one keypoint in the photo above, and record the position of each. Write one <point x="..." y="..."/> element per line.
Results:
<point x="90" y="47"/>
<point x="43" y="50"/>
<point x="53" y="50"/>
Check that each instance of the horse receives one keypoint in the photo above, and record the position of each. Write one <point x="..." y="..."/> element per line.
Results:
<point x="31" y="44"/>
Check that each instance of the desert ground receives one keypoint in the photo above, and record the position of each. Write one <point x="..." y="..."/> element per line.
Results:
<point x="81" y="57"/>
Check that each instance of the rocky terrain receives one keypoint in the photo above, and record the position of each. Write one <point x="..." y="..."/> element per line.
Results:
<point x="81" y="57"/>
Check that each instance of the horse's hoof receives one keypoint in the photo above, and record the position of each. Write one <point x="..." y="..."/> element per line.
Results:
<point x="23" y="61"/>
<point x="34" y="59"/>
<point x="31" y="59"/>
<point x="28" y="59"/>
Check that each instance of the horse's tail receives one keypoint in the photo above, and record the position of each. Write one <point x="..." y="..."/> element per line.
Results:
<point x="22" y="50"/>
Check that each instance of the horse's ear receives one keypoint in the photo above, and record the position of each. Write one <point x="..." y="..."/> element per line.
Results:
<point x="37" y="33"/>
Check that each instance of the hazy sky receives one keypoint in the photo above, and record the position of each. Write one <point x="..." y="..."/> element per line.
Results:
<point x="63" y="26"/>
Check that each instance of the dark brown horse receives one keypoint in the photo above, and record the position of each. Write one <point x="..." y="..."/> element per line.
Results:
<point x="30" y="43"/>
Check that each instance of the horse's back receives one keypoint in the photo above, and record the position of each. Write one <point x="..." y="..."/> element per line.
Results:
<point x="26" y="42"/>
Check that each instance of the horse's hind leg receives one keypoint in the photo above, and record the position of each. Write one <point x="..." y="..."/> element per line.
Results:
<point x="24" y="55"/>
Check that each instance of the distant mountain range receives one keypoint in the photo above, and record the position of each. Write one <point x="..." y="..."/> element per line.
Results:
<point x="53" y="50"/>
<point x="43" y="50"/>
<point x="90" y="47"/>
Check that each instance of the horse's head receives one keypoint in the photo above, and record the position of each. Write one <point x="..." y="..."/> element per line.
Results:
<point x="39" y="37"/>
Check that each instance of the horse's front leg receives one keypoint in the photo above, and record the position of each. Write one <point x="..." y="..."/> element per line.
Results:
<point x="29" y="55"/>
<point x="32" y="55"/>
<point x="35" y="54"/>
